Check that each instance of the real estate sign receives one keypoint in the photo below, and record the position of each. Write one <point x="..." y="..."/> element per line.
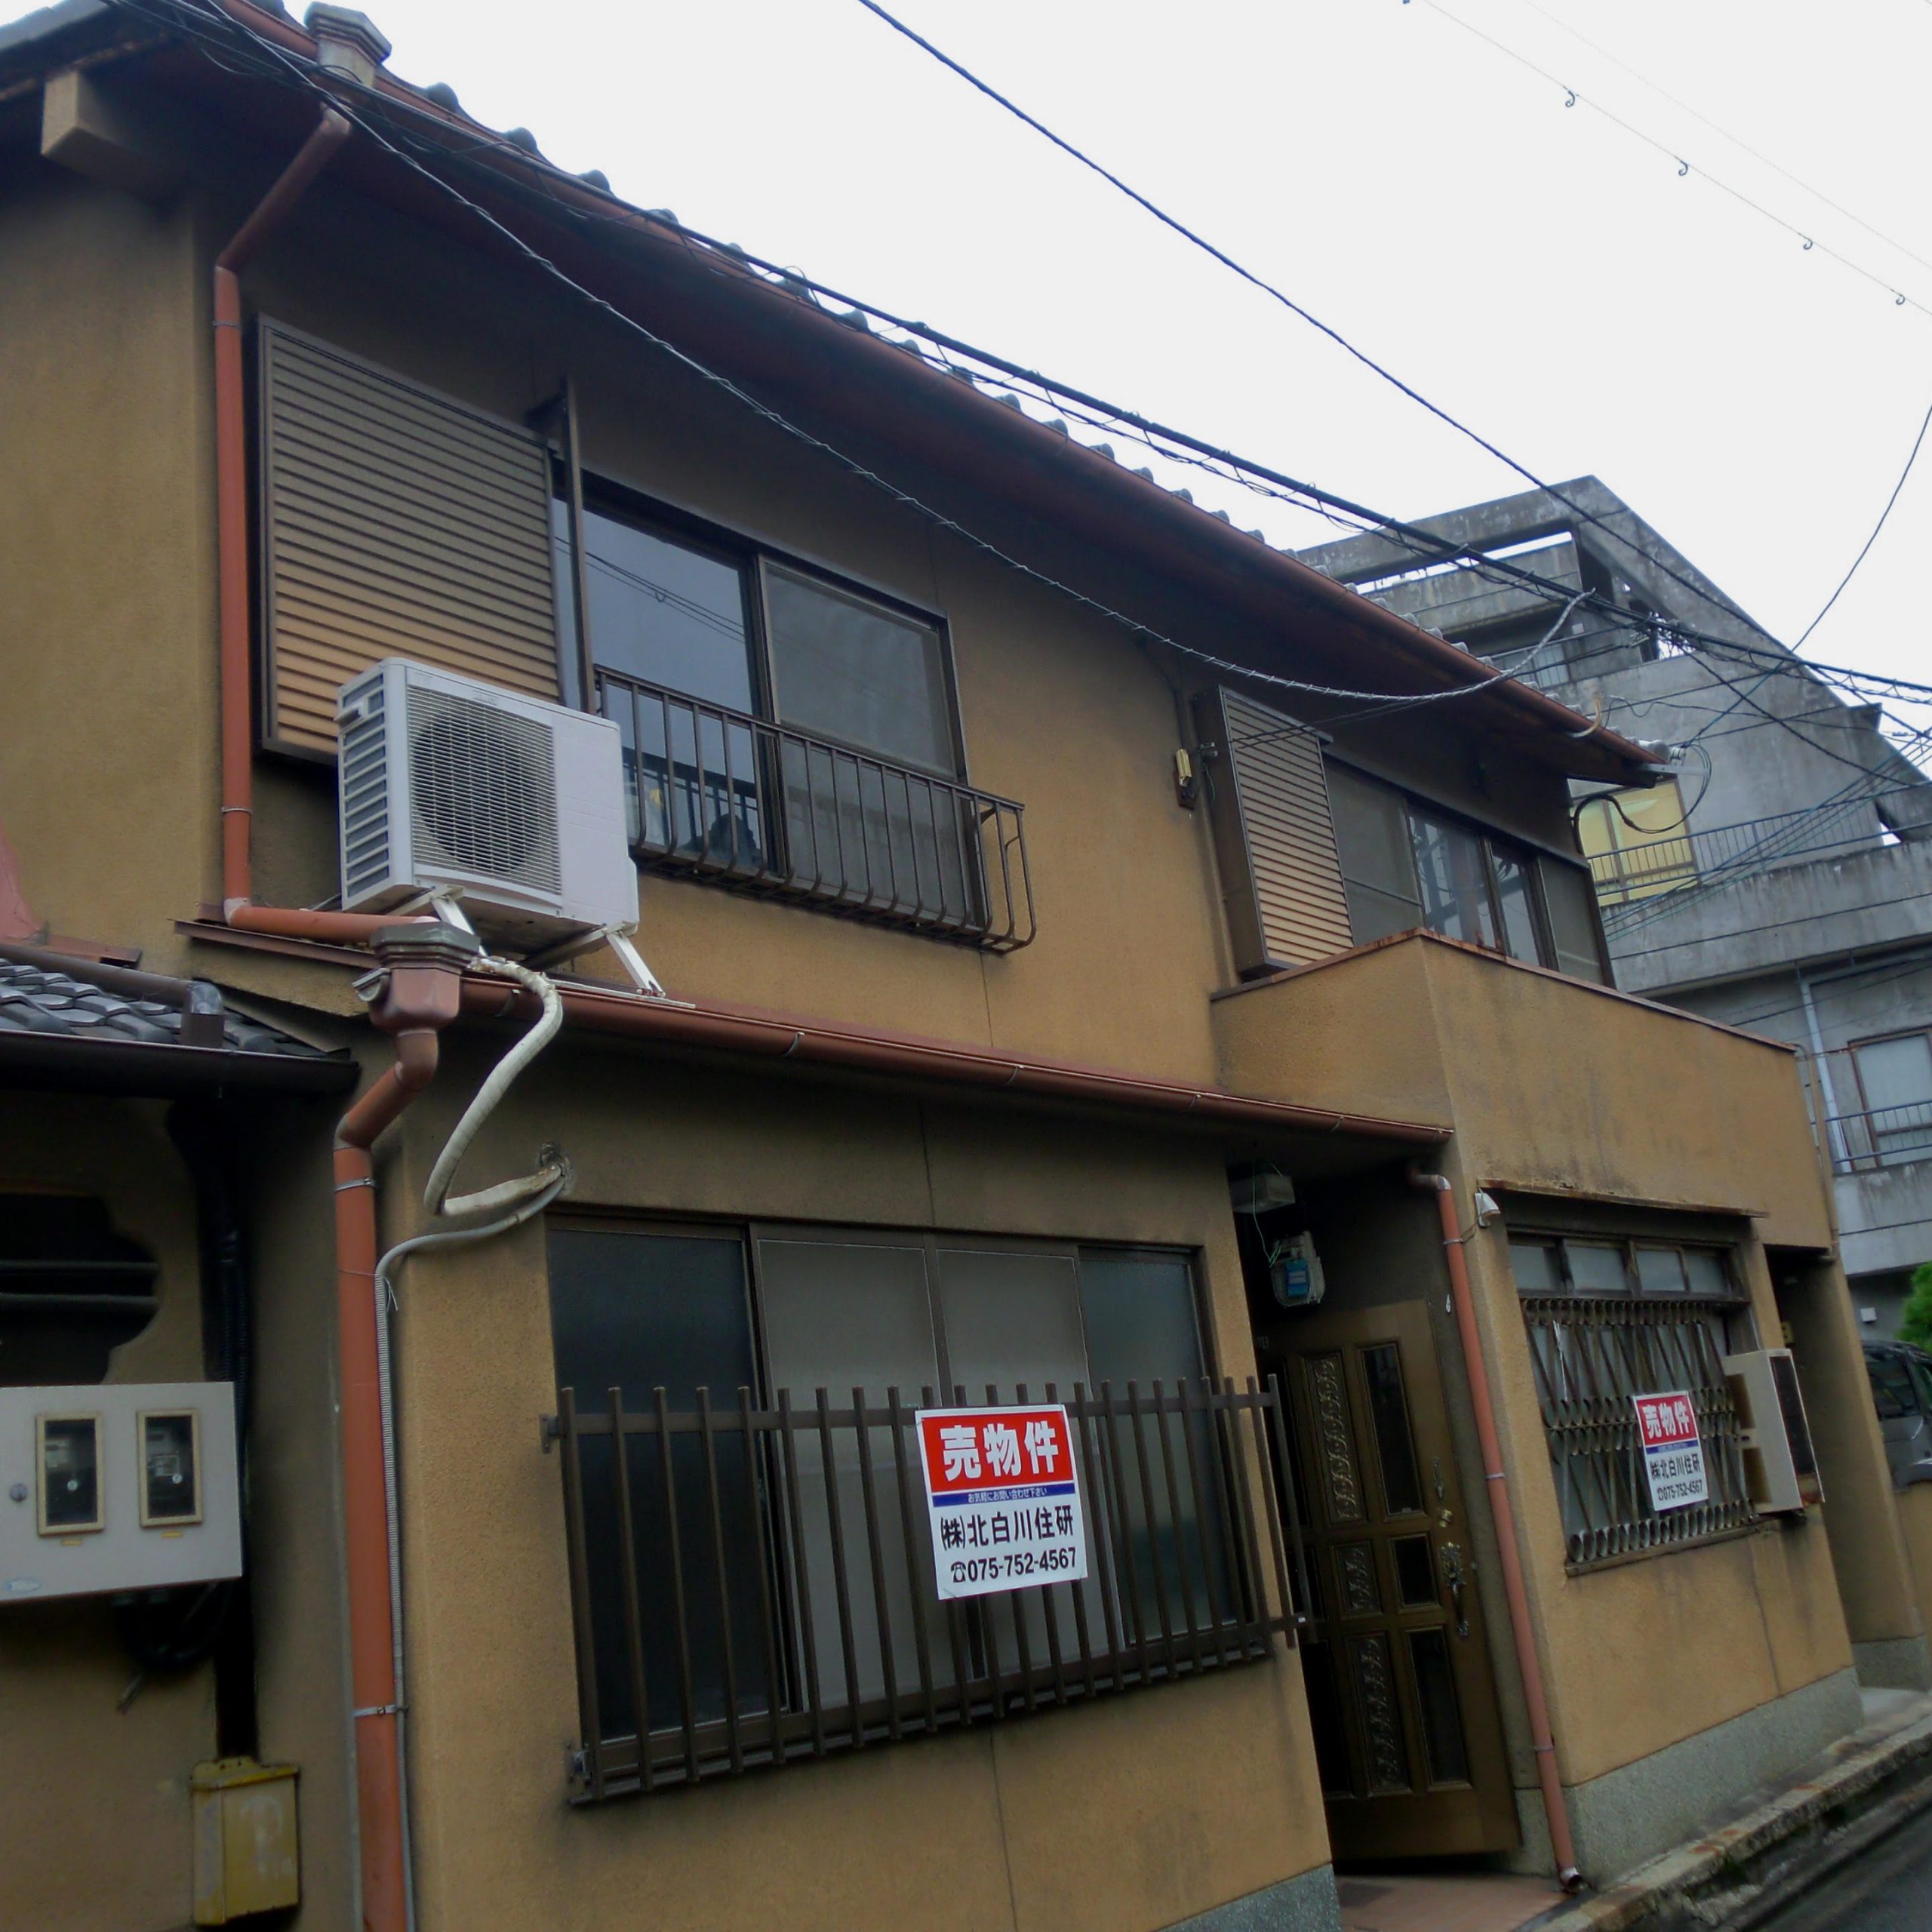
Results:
<point x="1673" y="1455"/>
<point x="1002" y="1498"/>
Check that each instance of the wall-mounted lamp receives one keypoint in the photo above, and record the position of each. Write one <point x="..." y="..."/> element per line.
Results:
<point x="1486" y="1210"/>
<point x="1187" y="782"/>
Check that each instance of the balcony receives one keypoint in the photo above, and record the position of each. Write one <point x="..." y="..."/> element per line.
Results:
<point x="1880" y="1137"/>
<point x="720" y="795"/>
<point x="1721" y="853"/>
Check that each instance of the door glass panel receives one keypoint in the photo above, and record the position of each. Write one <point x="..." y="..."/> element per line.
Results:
<point x="1381" y="1714"/>
<point x="839" y="1315"/>
<point x="638" y="1312"/>
<point x="1515" y="895"/>
<point x="1415" y="1572"/>
<point x="1388" y="1405"/>
<point x="1441" y="1721"/>
<point x="1455" y="883"/>
<point x="1660" y="1271"/>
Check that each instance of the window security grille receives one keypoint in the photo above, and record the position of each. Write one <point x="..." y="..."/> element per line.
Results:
<point x="1590" y="1357"/>
<point x="753" y="1586"/>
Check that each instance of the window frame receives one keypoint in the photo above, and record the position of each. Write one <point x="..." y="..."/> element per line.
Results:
<point x="1247" y="1579"/>
<point x="1852" y="1049"/>
<point x="750" y="556"/>
<point x="1533" y="854"/>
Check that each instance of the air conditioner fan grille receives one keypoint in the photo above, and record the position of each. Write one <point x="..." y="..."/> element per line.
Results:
<point x="483" y="791"/>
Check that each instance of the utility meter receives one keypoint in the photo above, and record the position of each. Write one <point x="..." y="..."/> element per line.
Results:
<point x="117" y="1486"/>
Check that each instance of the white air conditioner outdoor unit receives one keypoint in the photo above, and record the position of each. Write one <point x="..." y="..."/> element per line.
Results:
<point x="512" y="806"/>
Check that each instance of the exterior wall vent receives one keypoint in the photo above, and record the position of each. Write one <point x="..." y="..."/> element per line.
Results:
<point x="454" y="786"/>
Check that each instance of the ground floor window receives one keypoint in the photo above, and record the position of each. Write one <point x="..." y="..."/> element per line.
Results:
<point x="752" y="1573"/>
<point x="1610" y="1319"/>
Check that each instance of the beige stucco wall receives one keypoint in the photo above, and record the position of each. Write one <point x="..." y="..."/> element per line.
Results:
<point x="1915" y="1513"/>
<point x="1570" y="1093"/>
<point x="1120" y="1816"/>
<point x="94" y="1799"/>
<point x="107" y="789"/>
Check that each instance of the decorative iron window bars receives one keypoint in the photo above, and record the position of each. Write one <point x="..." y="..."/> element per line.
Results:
<point x="1590" y="1354"/>
<point x="758" y="1582"/>
<point x="723" y="795"/>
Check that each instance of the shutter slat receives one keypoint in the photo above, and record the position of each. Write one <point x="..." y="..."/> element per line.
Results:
<point x="396" y="524"/>
<point x="1282" y="795"/>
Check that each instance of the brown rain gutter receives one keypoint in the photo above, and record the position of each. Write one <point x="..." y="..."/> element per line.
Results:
<point x="1528" y="1665"/>
<point x="825" y="1043"/>
<point x="422" y="993"/>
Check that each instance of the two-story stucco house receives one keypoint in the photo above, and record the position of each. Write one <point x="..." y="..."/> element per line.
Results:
<point x="1063" y="979"/>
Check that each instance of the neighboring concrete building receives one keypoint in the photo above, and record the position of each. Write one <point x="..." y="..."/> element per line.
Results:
<point x="1045" y="1005"/>
<point x="1782" y="881"/>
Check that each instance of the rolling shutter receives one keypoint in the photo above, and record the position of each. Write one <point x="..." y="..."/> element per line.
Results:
<point x="1273" y="836"/>
<point x="395" y="523"/>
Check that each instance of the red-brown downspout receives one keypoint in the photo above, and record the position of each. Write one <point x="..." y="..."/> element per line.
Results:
<point x="231" y="482"/>
<point x="421" y="994"/>
<point x="1528" y="1665"/>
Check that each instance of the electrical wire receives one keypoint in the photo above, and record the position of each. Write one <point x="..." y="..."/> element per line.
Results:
<point x="1918" y="443"/>
<point x="1269" y="288"/>
<point x="185" y="14"/>
<point x="1575" y="98"/>
<point x="1816" y="194"/>
<point x="1173" y="445"/>
<point x="938" y="518"/>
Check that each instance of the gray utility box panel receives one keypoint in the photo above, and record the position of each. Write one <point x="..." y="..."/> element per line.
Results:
<point x="117" y="1486"/>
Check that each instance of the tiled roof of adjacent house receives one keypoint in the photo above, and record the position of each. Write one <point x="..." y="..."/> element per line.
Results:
<point x="34" y="1000"/>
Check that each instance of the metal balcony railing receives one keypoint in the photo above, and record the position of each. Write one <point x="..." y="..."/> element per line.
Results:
<point x="1722" y="853"/>
<point x="1880" y="1136"/>
<point x="751" y="1586"/>
<point x="721" y="795"/>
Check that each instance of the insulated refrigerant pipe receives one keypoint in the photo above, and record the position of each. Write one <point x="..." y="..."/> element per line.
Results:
<point x="1529" y="1667"/>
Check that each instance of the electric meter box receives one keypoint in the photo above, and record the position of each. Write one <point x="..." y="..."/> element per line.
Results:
<point x="117" y="1486"/>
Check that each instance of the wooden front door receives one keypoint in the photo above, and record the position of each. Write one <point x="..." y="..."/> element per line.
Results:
<point x="1400" y="1691"/>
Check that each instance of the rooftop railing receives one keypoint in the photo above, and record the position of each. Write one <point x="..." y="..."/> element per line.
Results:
<point x="1880" y="1136"/>
<point x="753" y="1586"/>
<point x="721" y="795"/>
<point x="1720" y="854"/>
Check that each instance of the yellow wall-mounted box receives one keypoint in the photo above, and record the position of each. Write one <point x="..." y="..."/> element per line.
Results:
<point x="246" y="1851"/>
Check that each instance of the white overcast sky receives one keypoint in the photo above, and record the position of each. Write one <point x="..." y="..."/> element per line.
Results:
<point x="1533" y="268"/>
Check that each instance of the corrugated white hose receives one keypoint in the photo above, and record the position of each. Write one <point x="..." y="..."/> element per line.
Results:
<point x="526" y="1197"/>
<point x="436" y="1193"/>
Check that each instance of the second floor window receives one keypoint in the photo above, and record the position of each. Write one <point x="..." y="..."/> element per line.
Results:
<point x="783" y="730"/>
<point x="1404" y="864"/>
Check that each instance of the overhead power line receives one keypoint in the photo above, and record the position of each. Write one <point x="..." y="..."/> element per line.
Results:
<point x="1574" y="97"/>
<point x="1267" y="287"/>
<point x="172" y="12"/>
<point x="217" y="34"/>
<point x="1744" y="146"/>
<point x="1918" y="443"/>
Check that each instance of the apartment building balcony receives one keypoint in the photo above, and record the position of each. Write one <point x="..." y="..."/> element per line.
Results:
<point x="1881" y="1168"/>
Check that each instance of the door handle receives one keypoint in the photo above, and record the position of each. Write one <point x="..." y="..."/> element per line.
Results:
<point x="1444" y="1515"/>
<point x="1452" y="1574"/>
